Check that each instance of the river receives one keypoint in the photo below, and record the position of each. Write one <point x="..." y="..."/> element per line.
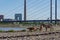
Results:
<point x="10" y="28"/>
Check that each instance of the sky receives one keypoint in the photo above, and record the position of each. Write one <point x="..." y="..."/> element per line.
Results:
<point x="36" y="9"/>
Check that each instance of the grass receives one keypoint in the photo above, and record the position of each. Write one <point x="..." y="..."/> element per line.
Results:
<point x="11" y="30"/>
<point x="25" y="23"/>
<point x="7" y="31"/>
<point x="1" y="31"/>
<point x="23" y="30"/>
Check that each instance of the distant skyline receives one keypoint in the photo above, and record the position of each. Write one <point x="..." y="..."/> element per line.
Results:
<point x="36" y="9"/>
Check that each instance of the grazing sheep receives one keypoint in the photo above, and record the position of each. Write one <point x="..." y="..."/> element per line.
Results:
<point x="46" y="26"/>
<point x="32" y="29"/>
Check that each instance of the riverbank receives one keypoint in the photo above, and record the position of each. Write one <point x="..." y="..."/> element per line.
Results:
<point x="20" y="25"/>
<point x="12" y="25"/>
<point x="30" y="35"/>
<point x="16" y="25"/>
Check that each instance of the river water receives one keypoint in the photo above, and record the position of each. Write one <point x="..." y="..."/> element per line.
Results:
<point x="10" y="28"/>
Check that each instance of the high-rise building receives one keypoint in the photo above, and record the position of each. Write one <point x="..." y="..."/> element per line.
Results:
<point x="1" y="17"/>
<point x="18" y="17"/>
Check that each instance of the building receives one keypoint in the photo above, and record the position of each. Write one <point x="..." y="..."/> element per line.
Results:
<point x="1" y="17"/>
<point x="18" y="17"/>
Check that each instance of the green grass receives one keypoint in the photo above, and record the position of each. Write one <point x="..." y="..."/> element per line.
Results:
<point x="11" y="30"/>
<point x="1" y="31"/>
<point x="7" y="31"/>
<point x="23" y="30"/>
